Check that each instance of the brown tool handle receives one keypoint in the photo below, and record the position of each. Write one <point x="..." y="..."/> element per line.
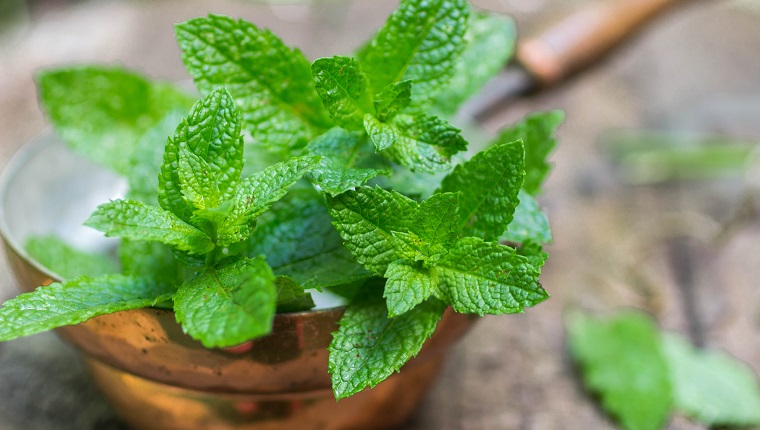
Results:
<point x="584" y="37"/>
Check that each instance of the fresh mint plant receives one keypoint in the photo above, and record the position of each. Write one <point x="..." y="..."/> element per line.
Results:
<point x="289" y="176"/>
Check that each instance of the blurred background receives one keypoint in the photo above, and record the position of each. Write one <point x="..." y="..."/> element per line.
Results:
<point x="653" y="201"/>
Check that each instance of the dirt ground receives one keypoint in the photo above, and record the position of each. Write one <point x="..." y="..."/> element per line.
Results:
<point x="676" y="249"/>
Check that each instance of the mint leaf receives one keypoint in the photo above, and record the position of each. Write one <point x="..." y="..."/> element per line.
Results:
<point x="622" y="360"/>
<point x="368" y="347"/>
<point x="211" y="133"/>
<point x="101" y="112"/>
<point x="299" y="241"/>
<point x="487" y="278"/>
<point x="407" y="287"/>
<point x="76" y="301"/>
<point x="138" y="221"/>
<point x="348" y="161"/>
<point x="497" y="174"/>
<point x="489" y="44"/>
<point x="66" y="261"/>
<point x="423" y="142"/>
<point x="257" y="192"/>
<point x="712" y="387"/>
<point x="537" y="133"/>
<point x="366" y="219"/>
<point x="393" y="99"/>
<point x="152" y="260"/>
<point x="271" y="83"/>
<point x="344" y="90"/>
<point x="436" y="219"/>
<point x="421" y="41"/>
<point x="290" y="296"/>
<point x="228" y="305"/>
<point x="529" y="222"/>
<point x="382" y="134"/>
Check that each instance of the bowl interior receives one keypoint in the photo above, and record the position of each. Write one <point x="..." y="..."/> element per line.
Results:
<point x="48" y="189"/>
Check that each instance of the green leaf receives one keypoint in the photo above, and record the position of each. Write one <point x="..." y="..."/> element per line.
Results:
<point x="211" y="131"/>
<point x="271" y="83"/>
<point x="537" y="133"/>
<point x="497" y="175"/>
<point x="393" y="99"/>
<point x="76" y="301"/>
<point x="421" y="41"/>
<point x="228" y="305"/>
<point x="436" y="219"/>
<point x="101" y="112"/>
<point x="344" y="90"/>
<point x="489" y="44"/>
<point x="424" y="143"/>
<point x="291" y="297"/>
<point x="366" y="218"/>
<point x="407" y="287"/>
<point x="257" y="192"/>
<point x="622" y="360"/>
<point x="368" y="347"/>
<point x="348" y="161"/>
<point x="66" y="261"/>
<point x="152" y="260"/>
<point x="138" y="221"/>
<point x="712" y="387"/>
<point x="487" y="278"/>
<point x="300" y="242"/>
<point x="382" y="134"/>
<point x="529" y="222"/>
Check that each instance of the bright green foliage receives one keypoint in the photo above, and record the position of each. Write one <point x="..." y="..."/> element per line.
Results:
<point x="487" y="278"/>
<point x="711" y="387"/>
<point x="299" y="241"/>
<point x="529" y="222"/>
<point x="66" y="261"/>
<point x="393" y="99"/>
<point x="489" y="44"/>
<point x="421" y="41"/>
<point x="366" y="219"/>
<point x="102" y="112"/>
<point x="348" y="161"/>
<point x="423" y="142"/>
<point x="344" y="90"/>
<point x="76" y="301"/>
<point x="622" y="360"/>
<point x="417" y="247"/>
<point x="151" y="260"/>
<point x="382" y="134"/>
<point x="138" y="221"/>
<point x="369" y="346"/>
<point x="202" y="164"/>
<point x="290" y="296"/>
<point x="228" y="305"/>
<point x="271" y="83"/>
<point x="257" y="192"/>
<point x="407" y="287"/>
<point x="497" y="175"/>
<point x="537" y="133"/>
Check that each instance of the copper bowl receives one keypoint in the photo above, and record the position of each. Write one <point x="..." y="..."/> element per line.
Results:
<point x="157" y="377"/>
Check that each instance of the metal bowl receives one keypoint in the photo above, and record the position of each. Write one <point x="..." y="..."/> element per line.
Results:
<point x="159" y="378"/>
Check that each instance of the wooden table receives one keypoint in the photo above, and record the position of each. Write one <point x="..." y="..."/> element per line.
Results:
<point x="615" y="246"/>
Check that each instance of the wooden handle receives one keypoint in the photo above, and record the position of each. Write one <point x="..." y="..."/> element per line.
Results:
<point x="585" y="37"/>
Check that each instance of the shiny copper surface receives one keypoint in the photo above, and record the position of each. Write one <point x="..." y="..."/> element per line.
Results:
<point x="159" y="378"/>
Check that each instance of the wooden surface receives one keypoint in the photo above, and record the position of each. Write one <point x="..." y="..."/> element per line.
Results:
<point x="615" y="245"/>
